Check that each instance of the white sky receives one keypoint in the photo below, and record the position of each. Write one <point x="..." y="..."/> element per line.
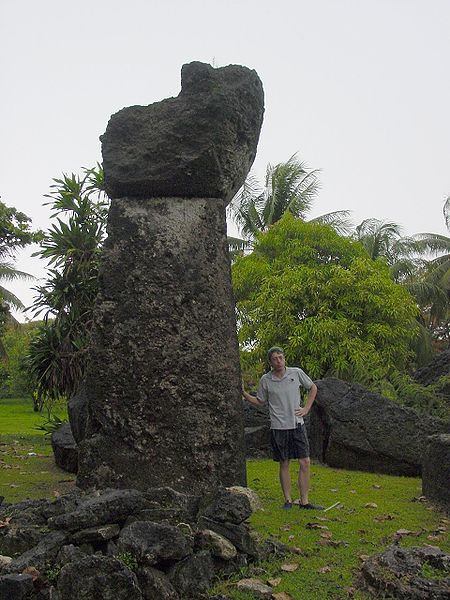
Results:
<point x="359" y="88"/>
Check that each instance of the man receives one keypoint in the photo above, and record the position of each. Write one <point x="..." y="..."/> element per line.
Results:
<point x="280" y="390"/>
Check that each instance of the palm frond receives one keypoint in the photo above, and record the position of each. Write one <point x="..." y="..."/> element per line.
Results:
<point x="11" y="299"/>
<point x="339" y="220"/>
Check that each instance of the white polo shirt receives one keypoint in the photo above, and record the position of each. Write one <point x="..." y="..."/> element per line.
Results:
<point x="283" y="396"/>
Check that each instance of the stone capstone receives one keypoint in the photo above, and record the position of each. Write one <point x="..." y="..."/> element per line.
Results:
<point x="95" y="577"/>
<point x="401" y="573"/>
<point x="200" y="144"/>
<point x="65" y="449"/>
<point x="352" y="428"/>
<point x="436" y="470"/>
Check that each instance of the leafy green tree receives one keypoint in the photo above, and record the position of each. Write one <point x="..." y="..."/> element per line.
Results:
<point x="15" y="233"/>
<point x="320" y="296"/>
<point x="72" y="248"/>
<point x="289" y="188"/>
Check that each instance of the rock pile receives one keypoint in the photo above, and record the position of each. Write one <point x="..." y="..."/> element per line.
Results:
<point x="113" y="544"/>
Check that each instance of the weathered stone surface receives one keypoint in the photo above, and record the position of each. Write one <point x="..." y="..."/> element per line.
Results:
<point x="251" y="495"/>
<point x="436" y="470"/>
<point x="155" y="584"/>
<point x="97" y="577"/>
<point x="255" y="587"/>
<point x="111" y="506"/>
<point x="96" y="534"/>
<point x="152" y="543"/>
<point x="167" y="504"/>
<point x="78" y="413"/>
<point x="163" y="378"/>
<point x="353" y="428"/>
<point x="192" y="576"/>
<point x="398" y="573"/>
<point x="17" y="540"/>
<point x="65" y="449"/>
<point x="238" y="535"/>
<point x="227" y="506"/>
<point x="15" y="587"/>
<point x="69" y="553"/>
<point x="40" y="555"/>
<point x="438" y="367"/>
<point x="200" y="144"/>
<point x="4" y="561"/>
<point x="217" y="545"/>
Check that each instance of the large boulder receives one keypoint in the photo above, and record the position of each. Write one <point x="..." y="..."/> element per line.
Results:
<point x="163" y="379"/>
<point x="65" y="449"/>
<point x="436" y="470"/>
<point x="353" y="428"/>
<point x="200" y="144"/>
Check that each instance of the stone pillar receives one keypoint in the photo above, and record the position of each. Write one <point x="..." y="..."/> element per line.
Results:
<point x="163" y="380"/>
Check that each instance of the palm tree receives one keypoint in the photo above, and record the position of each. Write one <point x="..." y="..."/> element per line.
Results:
<point x="427" y="279"/>
<point x="289" y="187"/>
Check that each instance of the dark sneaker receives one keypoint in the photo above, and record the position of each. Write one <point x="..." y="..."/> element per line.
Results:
<point x="310" y="506"/>
<point x="287" y="505"/>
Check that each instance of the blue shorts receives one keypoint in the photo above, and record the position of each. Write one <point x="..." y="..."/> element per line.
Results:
<point x="289" y="443"/>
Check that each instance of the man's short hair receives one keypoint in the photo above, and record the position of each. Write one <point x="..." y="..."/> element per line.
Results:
<point x="272" y="350"/>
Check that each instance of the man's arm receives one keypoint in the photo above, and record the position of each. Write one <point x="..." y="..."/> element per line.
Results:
<point x="252" y="399"/>
<point x="303" y="411"/>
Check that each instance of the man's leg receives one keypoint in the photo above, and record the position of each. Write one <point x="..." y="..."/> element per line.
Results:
<point x="303" y="479"/>
<point x="285" y="480"/>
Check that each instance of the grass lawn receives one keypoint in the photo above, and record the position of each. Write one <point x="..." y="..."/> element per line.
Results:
<point x="27" y="468"/>
<point x="374" y="512"/>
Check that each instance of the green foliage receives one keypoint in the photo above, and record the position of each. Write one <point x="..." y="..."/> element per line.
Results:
<point x="15" y="233"/>
<point x="128" y="559"/>
<point x="15" y="230"/>
<point x="424" y="399"/>
<point x="72" y="248"/>
<point x="335" y="311"/>
<point x="52" y="574"/>
<point x="51" y="424"/>
<point x="14" y="376"/>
